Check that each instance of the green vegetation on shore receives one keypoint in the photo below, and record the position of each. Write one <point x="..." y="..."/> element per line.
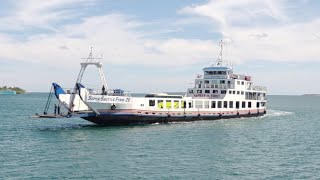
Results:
<point x="16" y="89"/>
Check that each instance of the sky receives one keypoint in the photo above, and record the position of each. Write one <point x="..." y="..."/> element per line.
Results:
<point x="159" y="46"/>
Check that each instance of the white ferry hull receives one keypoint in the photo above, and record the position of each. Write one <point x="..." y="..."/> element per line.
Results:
<point x="125" y="117"/>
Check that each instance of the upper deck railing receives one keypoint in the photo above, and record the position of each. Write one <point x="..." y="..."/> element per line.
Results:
<point x="257" y="88"/>
<point x="110" y="92"/>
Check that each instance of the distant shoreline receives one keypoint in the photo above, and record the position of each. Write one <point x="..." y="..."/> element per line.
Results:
<point x="17" y="90"/>
<point x="311" y="95"/>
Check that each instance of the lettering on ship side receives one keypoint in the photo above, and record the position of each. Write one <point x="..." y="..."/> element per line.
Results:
<point x="108" y="99"/>
<point x="207" y="95"/>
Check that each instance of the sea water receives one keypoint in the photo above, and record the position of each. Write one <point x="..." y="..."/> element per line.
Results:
<point x="284" y="144"/>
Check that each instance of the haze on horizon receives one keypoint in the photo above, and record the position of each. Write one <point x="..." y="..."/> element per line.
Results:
<point x="160" y="46"/>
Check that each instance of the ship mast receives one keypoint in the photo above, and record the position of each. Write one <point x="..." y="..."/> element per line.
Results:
<point x="219" y="58"/>
<point x="90" y="60"/>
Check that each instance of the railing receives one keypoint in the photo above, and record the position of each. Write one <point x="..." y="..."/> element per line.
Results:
<point x="216" y="86"/>
<point x="257" y="88"/>
<point x="110" y="92"/>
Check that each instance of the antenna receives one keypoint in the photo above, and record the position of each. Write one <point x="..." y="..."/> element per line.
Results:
<point x="219" y="58"/>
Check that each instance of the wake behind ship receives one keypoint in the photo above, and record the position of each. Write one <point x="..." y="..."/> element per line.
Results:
<point x="218" y="93"/>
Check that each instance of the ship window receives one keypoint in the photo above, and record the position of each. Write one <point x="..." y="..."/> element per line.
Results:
<point x="263" y="104"/>
<point x="206" y="82"/>
<point x="176" y="104"/>
<point x="183" y="104"/>
<point x="199" y="104"/>
<point x="215" y="91"/>
<point x="223" y="92"/>
<point x="168" y="104"/>
<point x="219" y="104"/>
<point x="258" y="104"/>
<point x="238" y="82"/>
<point x="190" y="103"/>
<point x="214" y="82"/>
<point x="191" y="91"/>
<point x="243" y="104"/>
<point x="213" y="104"/>
<point x="230" y="92"/>
<point x="242" y="93"/>
<point x="249" y="104"/>
<point x="152" y="102"/>
<point x="238" y="92"/>
<point x="237" y="104"/>
<point x="230" y="104"/>
<point x="242" y="82"/>
<point x="199" y="91"/>
<point x="222" y="81"/>
<point x="206" y="104"/>
<point x="207" y="91"/>
<point x="160" y="104"/>
<point x="219" y="72"/>
<point x="225" y="104"/>
<point x="229" y="82"/>
<point x="233" y="92"/>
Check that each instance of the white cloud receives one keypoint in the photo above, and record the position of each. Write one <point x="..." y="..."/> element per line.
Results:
<point x="261" y="30"/>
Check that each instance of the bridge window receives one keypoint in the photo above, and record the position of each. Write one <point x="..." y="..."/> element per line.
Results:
<point x="207" y="91"/>
<point x="223" y="92"/>
<point x="152" y="102"/>
<point x="191" y="91"/>
<point x="199" y="91"/>
<point x="215" y="91"/>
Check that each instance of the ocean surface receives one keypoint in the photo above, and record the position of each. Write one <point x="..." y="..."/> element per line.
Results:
<point x="284" y="144"/>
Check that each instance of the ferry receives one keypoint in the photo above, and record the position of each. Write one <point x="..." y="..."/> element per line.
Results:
<point x="218" y="93"/>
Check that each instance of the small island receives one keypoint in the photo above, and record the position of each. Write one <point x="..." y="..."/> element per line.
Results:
<point x="13" y="90"/>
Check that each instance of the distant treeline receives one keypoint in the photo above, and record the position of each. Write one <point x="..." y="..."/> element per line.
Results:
<point x="16" y="89"/>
